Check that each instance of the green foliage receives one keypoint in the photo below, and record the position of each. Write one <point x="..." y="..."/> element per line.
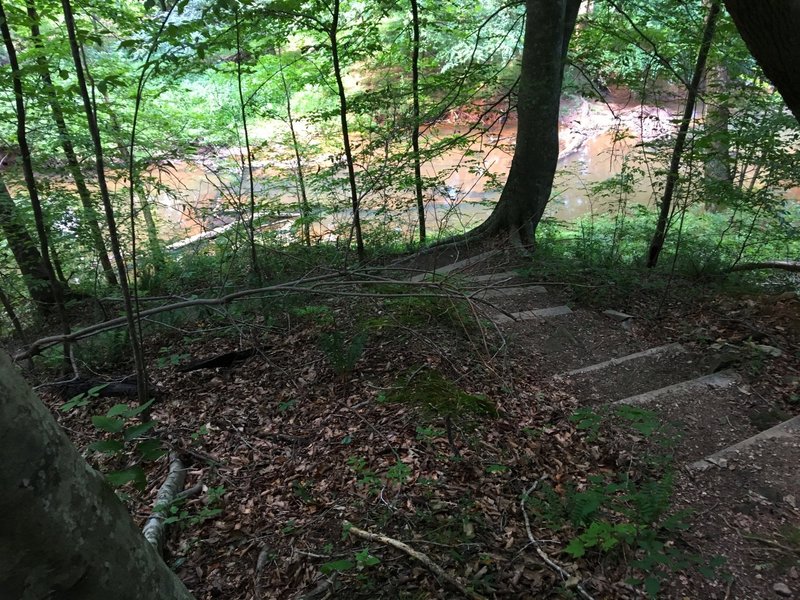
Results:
<point x="341" y="353"/>
<point x="179" y="512"/>
<point x="439" y="397"/>
<point x="124" y="436"/>
<point x="84" y="398"/>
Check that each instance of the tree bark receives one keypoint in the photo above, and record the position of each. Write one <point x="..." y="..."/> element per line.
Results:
<point x="65" y="533"/>
<point x="348" y="151"/>
<point x="89" y="211"/>
<point x="717" y="168"/>
<point x="24" y="249"/>
<point x="548" y="28"/>
<point x="769" y="28"/>
<point x="94" y="130"/>
<point x="416" y="118"/>
<point x="660" y="235"/>
<point x="27" y="169"/>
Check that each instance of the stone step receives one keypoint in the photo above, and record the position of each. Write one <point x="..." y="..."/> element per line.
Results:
<point x="493" y="277"/>
<point x="701" y="416"/>
<point x="641" y="375"/>
<point x="720" y="380"/>
<point x="788" y="429"/>
<point x="667" y="348"/>
<point x="507" y="292"/>
<point x="456" y="266"/>
<point x="527" y="315"/>
<point x="583" y="338"/>
<point x="752" y="501"/>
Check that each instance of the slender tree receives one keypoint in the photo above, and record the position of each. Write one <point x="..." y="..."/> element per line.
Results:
<point x="415" y="42"/>
<point x="665" y="208"/>
<point x="251" y="234"/>
<point x="333" y="32"/>
<point x="305" y="209"/>
<point x="89" y="212"/>
<point x="94" y="131"/>
<point x="65" y="532"/>
<point x="23" y="247"/>
<point x="27" y="169"/>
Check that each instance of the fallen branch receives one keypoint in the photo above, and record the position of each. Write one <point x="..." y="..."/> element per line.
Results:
<point x="784" y="265"/>
<point x="565" y="575"/>
<point x="153" y="529"/>
<point x="296" y="287"/>
<point x="423" y="558"/>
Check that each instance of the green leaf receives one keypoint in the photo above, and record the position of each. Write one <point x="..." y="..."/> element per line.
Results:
<point x="111" y="425"/>
<point x="575" y="548"/>
<point x="117" y="410"/>
<point x="133" y="475"/>
<point x="137" y="411"/>
<point x="107" y="446"/>
<point x="150" y="449"/>
<point x="652" y="586"/>
<point x="137" y="430"/>
<point x="95" y="391"/>
<point x="336" y="565"/>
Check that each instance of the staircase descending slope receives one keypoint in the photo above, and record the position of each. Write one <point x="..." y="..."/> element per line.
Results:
<point x="738" y="473"/>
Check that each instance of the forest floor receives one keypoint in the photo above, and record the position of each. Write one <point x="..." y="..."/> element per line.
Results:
<point x="447" y="419"/>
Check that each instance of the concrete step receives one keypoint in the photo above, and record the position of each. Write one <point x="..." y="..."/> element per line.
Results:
<point x="528" y="315"/>
<point x="511" y="293"/>
<point x="751" y="501"/>
<point x="580" y="339"/>
<point x="667" y="348"/>
<point x="704" y="415"/>
<point x="455" y="266"/>
<point x="494" y="277"/>
<point x="700" y="384"/>
<point x="650" y="372"/>
<point x="787" y="429"/>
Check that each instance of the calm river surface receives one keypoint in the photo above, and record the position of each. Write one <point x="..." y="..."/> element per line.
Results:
<point x="206" y="196"/>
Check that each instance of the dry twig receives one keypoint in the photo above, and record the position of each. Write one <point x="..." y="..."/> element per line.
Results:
<point x="542" y="554"/>
<point x="423" y="558"/>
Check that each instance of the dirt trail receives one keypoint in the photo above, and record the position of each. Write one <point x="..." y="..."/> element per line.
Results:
<point x="736" y="470"/>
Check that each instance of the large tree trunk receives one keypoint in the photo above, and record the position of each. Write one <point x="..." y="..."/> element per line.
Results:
<point x="65" y="533"/>
<point x="25" y="251"/>
<point x="548" y="29"/>
<point x="769" y="28"/>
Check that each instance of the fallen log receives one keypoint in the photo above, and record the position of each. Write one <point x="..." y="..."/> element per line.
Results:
<point x="224" y="360"/>
<point x="154" y="527"/>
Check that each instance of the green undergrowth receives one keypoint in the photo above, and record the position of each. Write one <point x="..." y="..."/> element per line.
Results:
<point x="437" y="397"/>
<point x="607" y="252"/>
<point x="624" y="516"/>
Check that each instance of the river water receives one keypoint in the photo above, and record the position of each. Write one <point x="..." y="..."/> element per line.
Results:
<point x="203" y="196"/>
